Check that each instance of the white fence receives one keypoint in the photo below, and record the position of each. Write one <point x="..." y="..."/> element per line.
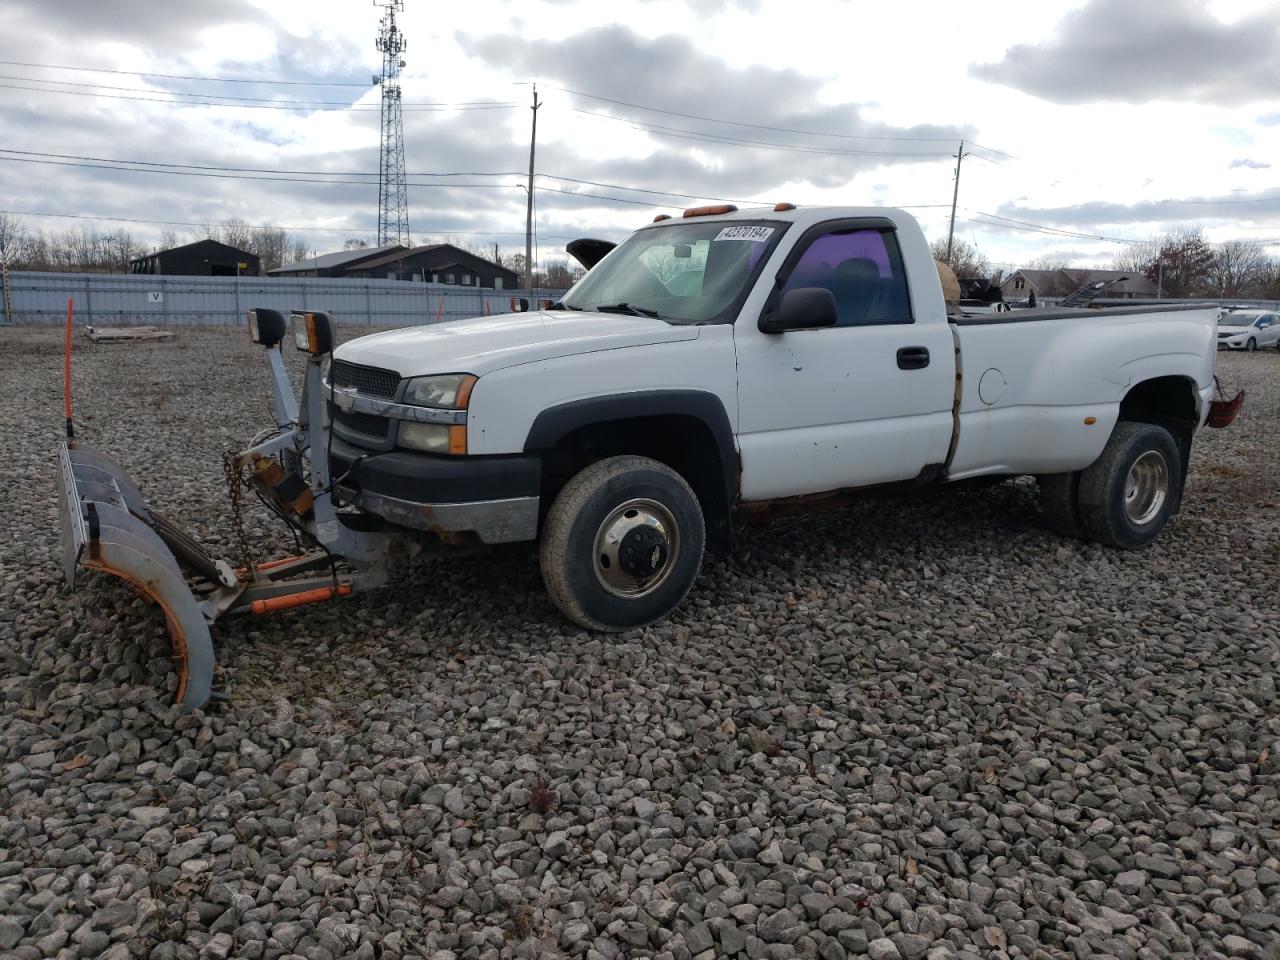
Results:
<point x="105" y="299"/>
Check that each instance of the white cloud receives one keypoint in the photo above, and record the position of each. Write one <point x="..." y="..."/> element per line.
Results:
<point x="826" y="66"/>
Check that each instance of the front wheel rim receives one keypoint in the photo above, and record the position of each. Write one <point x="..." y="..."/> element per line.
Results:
<point x="1146" y="488"/>
<point x="636" y="547"/>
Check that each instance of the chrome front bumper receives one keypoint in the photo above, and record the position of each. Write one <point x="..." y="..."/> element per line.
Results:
<point x="491" y="521"/>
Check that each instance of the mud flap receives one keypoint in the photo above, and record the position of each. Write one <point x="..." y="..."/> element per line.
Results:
<point x="104" y="527"/>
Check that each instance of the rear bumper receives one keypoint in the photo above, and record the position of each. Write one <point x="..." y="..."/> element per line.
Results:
<point x="494" y="498"/>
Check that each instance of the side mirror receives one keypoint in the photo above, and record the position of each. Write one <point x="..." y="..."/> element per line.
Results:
<point x="519" y="304"/>
<point x="803" y="308"/>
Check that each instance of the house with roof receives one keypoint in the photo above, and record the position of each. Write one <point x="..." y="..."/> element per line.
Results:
<point x="333" y="264"/>
<point x="437" y="263"/>
<point x="1020" y="284"/>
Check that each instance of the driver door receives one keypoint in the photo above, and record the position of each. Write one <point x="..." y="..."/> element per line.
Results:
<point x="867" y="401"/>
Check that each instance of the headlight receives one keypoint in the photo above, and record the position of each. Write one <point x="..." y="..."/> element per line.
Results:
<point x="450" y="390"/>
<point x="433" y="437"/>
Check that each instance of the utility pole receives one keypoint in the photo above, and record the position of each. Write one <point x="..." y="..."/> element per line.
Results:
<point x="393" y="190"/>
<point x="4" y="281"/>
<point x="955" y="195"/>
<point x="528" y="220"/>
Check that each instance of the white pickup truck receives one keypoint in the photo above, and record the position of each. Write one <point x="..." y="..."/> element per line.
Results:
<point x="727" y="360"/>
<point x="713" y="366"/>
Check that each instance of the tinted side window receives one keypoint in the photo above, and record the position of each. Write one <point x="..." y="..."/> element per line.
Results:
<point x="862" y="269"/>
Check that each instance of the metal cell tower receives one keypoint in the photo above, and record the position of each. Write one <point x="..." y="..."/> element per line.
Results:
<point x="393" y="193"/>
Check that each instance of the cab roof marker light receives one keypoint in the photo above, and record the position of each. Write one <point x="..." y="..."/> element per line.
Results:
<point x="711" y="211"/>
<point x="780" y="207"/>
<point x="662" y="216"/>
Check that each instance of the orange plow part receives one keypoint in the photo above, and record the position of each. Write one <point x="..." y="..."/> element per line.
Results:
<point x="289" y="601"/>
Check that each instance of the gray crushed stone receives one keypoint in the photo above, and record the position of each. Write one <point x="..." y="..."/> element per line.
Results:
<point x="918" y="729"/>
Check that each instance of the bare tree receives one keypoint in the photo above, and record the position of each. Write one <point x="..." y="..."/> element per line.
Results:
<point x="271" y="244"/>
<point x="298" y="251"/>
<point x="1183" y="265"/>
<point x="14" y="239"/>
<point x="355" y="244"/>
<point x="1266" y="280"/>
<point x="168" y="239"/>
<point x="1048" y="261"/>
<point x="966" y="259"/>
<point x="1136" y="257"/>
<point x="118" y="249"/>
<point x="236" y="233"/>
<point x="1236" y="267"/>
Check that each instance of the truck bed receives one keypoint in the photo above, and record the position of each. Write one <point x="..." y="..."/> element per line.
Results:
<point x="1066" y="313"/>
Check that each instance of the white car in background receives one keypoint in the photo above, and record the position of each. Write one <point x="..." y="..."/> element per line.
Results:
<point x="1248" y="330"/>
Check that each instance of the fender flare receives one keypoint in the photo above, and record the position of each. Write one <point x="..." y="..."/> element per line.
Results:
<point x="553" y="424"/>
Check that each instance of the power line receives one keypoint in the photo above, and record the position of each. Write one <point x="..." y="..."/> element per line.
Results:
<point x="203" y="223"/>
<point x="416" y="108"/>
<point x="1044" y="228"/>
<point x="238" y="176"/>
<point x="330" y="177"/>
<point x="196" y="166"/>
<point x="271" y="100"/>
<point x="174" y="76"/>
<point x="361" y="183"/>
<point x="685" y="134"/>
<point x="739" y="123"/>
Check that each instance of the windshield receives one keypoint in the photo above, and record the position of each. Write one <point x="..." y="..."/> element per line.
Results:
<point x="687" y="272"/>
<point x="1237" y="319"/>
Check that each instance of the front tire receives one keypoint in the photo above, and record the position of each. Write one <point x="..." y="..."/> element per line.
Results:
<point x="1251" y="346"/>
<point x="1128" y="494"/>
<point x="622" y="544"/>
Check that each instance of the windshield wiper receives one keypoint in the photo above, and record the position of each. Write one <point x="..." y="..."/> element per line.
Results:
<point x="626" y="308"/>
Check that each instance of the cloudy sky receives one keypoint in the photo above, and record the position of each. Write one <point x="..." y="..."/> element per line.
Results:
<point x="1085" y="119"/>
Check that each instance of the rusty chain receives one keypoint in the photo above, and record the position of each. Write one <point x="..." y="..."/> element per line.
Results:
<point x="234" y="476"/>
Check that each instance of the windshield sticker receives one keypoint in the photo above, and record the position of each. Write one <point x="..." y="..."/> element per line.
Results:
<point x="754" y="234"/>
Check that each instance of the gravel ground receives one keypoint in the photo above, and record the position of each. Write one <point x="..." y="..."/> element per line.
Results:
<point x="917" y="729"/>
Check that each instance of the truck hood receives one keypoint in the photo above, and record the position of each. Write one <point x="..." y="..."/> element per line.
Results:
<point x="484" y="344"/>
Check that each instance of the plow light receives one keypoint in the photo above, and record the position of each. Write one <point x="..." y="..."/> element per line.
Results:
<point x="313" y="332"/>
<point x="266" y="327"/>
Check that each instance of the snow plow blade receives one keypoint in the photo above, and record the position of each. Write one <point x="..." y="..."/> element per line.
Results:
<point x="106" y="526"/>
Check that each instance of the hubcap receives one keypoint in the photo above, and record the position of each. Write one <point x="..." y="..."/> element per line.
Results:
<point x="635" y="548"/>
<point x="1146" y="488"/>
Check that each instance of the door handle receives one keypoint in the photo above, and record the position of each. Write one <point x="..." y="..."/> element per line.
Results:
<point x="913" y="358"/>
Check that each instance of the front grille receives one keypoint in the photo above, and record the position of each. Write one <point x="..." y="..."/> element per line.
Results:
<point x="371" y="381"/>
<point x="365" y="424"/>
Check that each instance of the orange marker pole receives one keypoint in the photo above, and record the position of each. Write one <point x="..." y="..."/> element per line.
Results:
<point x="66" y="373"/>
